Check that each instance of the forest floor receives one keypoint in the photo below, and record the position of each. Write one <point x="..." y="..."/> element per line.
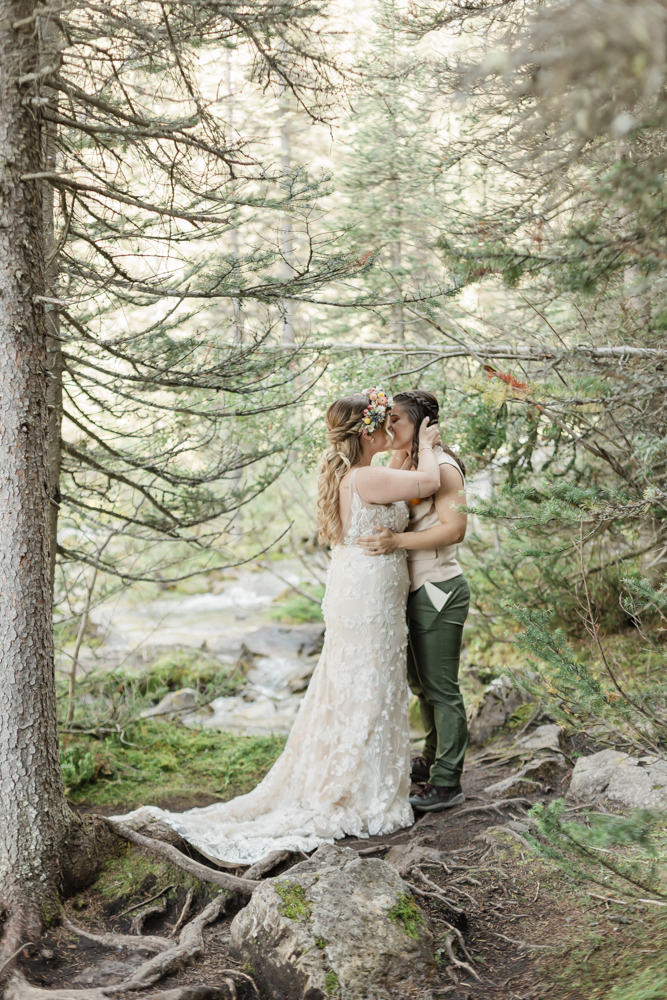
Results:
<point x="531" y="932"/>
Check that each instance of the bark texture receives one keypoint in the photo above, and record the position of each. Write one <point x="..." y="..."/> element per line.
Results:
<point x="36" y="821"/>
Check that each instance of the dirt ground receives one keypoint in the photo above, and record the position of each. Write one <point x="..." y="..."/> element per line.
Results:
<point x="516" y="910"/>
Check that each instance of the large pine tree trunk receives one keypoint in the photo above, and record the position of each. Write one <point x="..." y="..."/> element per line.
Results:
<point x="38" y="834"/>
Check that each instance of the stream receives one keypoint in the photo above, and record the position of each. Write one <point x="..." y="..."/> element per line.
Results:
<point x="233" y="615"/>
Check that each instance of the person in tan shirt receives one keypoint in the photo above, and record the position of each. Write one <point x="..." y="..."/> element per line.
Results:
<point x="437" y="606"/>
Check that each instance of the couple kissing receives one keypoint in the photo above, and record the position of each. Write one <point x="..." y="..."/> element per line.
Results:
<point x="394" y="608"/>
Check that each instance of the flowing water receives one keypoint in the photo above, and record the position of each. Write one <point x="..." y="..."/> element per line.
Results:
<point x="220" y="623"/>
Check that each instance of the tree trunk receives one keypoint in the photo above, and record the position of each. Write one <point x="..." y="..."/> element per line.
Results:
<point x="49" y="45"/>
<point x="37" y="825"/>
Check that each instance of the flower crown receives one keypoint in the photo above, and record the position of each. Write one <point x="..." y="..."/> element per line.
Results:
<point x="376" y="412"/>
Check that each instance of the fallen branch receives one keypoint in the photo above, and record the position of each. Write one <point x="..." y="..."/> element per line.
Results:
<point x="232" y="883"/>
<point x="149" y="900"/>
<point x="184" y="912"/>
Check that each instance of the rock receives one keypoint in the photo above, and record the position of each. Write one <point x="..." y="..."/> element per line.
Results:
<point x="108" y="973"/>
<point x="284" y="640"/>
<point x="403" y="857"/>
<point x="300" y="681"/>
<point x="336" y="922"/>
<point x="494" y="708"/>
<point x="176" y="701"/>
<point x="543" y="738"/>
<point x="615" y="776"/>
<point x="544" y="768"/>
<point x="513" y="787"/>
<point x="528" y="779"/>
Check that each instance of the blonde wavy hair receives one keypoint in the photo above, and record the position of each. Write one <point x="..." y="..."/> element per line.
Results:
<point x="343" y="422"/>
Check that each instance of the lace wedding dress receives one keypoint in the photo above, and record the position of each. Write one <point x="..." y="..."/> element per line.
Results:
<point x="345" y="768"/>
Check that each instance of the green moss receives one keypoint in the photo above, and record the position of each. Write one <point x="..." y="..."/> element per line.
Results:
<point x="320" y="943"/>
<point x="294" y="906"/>
<point x="331" y="982"/>
<point x="168" y="761"/>
<point x="125" y="874"/>
<point x="407" y="915"/>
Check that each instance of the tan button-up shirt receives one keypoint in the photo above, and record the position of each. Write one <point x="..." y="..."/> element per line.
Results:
<point x="432" y="565"/>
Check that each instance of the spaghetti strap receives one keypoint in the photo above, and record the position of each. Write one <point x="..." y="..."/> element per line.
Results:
<point x="348" y="514"/>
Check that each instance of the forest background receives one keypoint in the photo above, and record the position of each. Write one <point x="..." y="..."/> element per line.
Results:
<point x="247" y="215"/>
<point x="439" y="213"/>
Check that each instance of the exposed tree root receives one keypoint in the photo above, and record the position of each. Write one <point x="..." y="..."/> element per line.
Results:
<point x="139" y="919"/>
<point x="19" y="988"/>
<point x="455" y="961"/>
<point x="245" y="887"/>
<point x="170" y="958"/>
<point x="23" y="925"/>
<point x="267" y="864"/>
<point x="16" y="954"/>
<point x="129" y="941"/>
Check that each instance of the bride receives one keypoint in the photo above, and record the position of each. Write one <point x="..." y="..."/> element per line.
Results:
<point x="346" y="766"/>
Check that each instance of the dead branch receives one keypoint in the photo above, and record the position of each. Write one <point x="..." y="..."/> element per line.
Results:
<point x="149" y="900"/>
<point x="184" y="913"/>
<point x="243" y="886"/>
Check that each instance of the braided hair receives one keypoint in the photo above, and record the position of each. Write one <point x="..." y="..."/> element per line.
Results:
<point x="418" y="403"/>
<point x="344" y="422"/>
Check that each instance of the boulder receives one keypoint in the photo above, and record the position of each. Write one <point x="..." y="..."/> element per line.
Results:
<point x="172" y="703"/>
<point x="528" y="779"/>
<point x="513" y="787"/>
<point x="493" y="708"/>
<point x="548" y="737"/>
<point x="334" y="925"/>
<point x="640" y="783"/>
<point x="403" y="857"/>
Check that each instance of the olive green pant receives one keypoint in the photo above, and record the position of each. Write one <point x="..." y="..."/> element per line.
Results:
<point x="434" y="652"/>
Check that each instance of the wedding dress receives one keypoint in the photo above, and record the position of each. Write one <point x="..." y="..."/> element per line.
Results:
<point x="345" y="768"/>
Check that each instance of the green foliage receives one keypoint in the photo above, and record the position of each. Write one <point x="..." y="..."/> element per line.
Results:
<point x="627" y="966"/>
<point x="331" y="982"/>
<point x="296" y="609"/>
<point x="294" y="904"/>
<point x="407" y="915"/>
<point x="320" y="943"/>
<point x="167" y="761"/>
<point x="77" y="766"/>
<point x="581" y="848"/>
